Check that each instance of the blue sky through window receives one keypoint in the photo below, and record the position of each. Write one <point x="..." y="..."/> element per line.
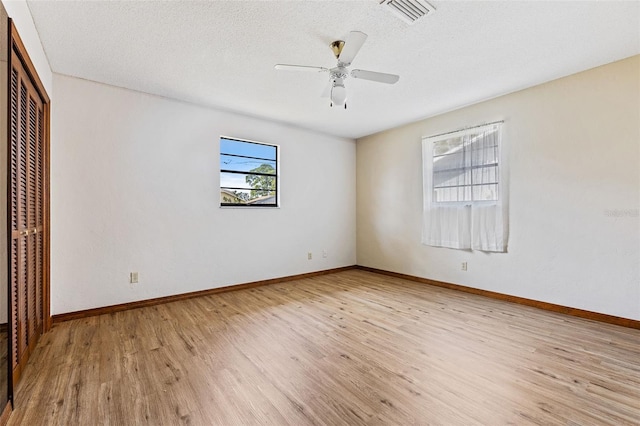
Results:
<point x="247" y="149"/>
<point x="262" y="154"/>
<point x="239" y="160"/>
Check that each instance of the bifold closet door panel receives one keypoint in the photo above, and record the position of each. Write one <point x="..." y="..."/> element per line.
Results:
<point x="34" y="218"/>
<point x="26" y="157"/>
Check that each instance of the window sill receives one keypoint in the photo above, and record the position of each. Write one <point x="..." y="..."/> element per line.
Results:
<point x="249" y="207"/>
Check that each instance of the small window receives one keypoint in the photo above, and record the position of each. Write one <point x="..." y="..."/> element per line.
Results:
<point x="248" y="173"/>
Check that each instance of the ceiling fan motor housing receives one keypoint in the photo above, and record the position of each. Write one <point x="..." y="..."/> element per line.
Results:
<point x="339" y="72"/>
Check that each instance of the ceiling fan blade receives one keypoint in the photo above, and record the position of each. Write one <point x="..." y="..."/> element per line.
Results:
<point x="380" y="77"/>
<point x="285" y="67"/>
<point x="352" y="46"/>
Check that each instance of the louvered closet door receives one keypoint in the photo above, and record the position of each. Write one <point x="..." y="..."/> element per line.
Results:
<point x="27" y="149"/>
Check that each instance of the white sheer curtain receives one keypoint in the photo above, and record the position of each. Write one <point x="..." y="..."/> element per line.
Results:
<point x="448" y="226"/>
<point x="463" y="204"/>
<point x="487" y="228"/>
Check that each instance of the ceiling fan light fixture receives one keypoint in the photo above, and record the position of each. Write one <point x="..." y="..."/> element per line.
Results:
<point x="338" y="94"/>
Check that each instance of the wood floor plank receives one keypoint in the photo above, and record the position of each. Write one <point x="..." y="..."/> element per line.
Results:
<point x="352" y="348"/>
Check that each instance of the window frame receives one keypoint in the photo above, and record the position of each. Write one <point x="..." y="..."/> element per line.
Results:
<point x="276" y="175"/>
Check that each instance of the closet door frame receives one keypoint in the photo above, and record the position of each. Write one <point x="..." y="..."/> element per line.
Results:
<point x="16" y="46"/>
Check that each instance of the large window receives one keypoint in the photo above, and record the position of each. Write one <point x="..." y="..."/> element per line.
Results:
<point x="248" y="173"/>
<point x="463" y="180"/>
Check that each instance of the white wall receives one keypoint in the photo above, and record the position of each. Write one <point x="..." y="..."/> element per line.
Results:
<point x="574" y="157"/>
<point x="135" y="187"/>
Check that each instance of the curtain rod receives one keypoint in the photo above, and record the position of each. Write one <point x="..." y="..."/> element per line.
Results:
<point x="465" y="128"/>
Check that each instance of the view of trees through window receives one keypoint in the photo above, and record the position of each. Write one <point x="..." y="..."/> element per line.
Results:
<point x="248" y="173"/>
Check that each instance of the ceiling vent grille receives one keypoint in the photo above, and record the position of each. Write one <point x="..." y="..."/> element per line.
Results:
<point x="408" y="10"/>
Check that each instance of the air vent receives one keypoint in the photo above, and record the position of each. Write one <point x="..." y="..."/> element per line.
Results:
<point x="408" y="10"/>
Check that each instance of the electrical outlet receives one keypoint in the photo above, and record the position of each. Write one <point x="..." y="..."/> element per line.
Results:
<point x="463" y="266"/>
<point x="324" y="254"/>
<point x="133" y="278"/>
<point x="309" y="256"/>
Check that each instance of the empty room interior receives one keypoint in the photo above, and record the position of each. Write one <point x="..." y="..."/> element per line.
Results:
<point x="320" y="212"/>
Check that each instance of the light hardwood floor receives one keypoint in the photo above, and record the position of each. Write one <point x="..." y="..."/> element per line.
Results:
<point x="348" y="348"/>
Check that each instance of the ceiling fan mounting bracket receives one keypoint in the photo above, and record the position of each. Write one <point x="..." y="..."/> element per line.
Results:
<point x="336" y="47"/>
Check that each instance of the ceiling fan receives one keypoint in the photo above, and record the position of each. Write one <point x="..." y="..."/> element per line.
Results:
<point x="345" y="52"/>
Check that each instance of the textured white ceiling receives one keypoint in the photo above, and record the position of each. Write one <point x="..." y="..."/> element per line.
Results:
<point x="221" y="53"/>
